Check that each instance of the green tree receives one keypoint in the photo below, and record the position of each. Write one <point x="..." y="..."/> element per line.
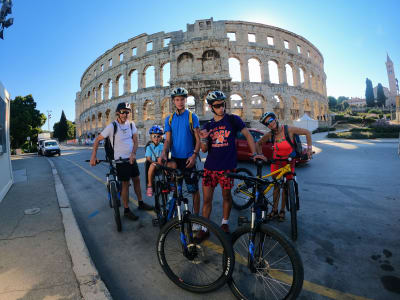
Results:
<point x="369" y="93"/>
<point x="64" y="129"/>
<point x="25" y="121"/>
<point x="380" y="96"/>
<point x="340" y="99"/>
<point x="332" y="102"/>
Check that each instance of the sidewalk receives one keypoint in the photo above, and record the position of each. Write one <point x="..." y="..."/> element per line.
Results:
<point x="36" y="261"/>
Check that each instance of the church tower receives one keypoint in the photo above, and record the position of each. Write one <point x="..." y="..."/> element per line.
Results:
<point x="391" y="79"/>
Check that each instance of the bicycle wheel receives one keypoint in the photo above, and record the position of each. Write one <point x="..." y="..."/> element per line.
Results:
<point x="242" y="191"/>
<point x="206" y="267"/>
<point x="277" y="266"/>
<point x="292" y="207"/>
<point x="115" y="204"/>
<point x="160" y="200"/>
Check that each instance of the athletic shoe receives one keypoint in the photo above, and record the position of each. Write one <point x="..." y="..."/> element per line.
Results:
<point x="129" y="215"/>
<point x="144" y="206"/>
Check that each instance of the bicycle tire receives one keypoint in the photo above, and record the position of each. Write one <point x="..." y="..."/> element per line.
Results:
<point x="160" y="202"/>
<point x="241" y="201"/>
<point x="281" y="256"/>
<point x="214" y="256"/>
<point x="293" y="208"/>
<point x="115" y="204"/>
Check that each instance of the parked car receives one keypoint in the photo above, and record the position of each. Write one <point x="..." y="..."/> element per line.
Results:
<point x="243" y="150"/>
<point x="50" y="147"/>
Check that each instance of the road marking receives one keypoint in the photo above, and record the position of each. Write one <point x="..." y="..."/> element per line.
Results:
<point x="307" y="285"/>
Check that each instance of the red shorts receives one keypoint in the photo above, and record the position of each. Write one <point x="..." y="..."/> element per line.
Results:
<point x="212" y="178"/>
<point x="281" y="164"/>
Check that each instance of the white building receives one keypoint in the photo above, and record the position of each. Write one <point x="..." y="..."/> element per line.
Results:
<point x="357" y="102"/>
<point x="6" y="176"/>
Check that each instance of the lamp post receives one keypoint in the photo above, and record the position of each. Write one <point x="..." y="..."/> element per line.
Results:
<point x="48" y="119"/>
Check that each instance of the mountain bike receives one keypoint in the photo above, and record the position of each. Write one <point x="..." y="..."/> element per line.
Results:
<point x="243" y="197"/>
<point x="196" y="266"/>
<point x="114" y="189"/>
<point x="268" y="266"/>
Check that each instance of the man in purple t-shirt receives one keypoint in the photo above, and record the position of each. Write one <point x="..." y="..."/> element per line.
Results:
<point x="218" y="138"/>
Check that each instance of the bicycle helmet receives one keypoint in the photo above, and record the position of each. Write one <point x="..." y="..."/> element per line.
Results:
<point x="123" y="105"/>
<point x="155" y="129"/>
<point x="266" y="115"/>
<point x="179" y="91"/>
<point x="215" y="96"/>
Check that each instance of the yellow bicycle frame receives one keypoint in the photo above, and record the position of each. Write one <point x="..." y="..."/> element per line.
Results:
<point x="282" y="171"/>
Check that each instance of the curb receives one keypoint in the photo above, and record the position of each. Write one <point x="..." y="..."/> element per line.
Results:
<point x="90" y="284"/>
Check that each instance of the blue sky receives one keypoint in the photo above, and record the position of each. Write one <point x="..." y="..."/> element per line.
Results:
<point x="52" y="42"/>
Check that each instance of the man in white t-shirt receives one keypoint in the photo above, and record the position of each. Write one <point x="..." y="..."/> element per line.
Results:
<point x="125" y="146"/>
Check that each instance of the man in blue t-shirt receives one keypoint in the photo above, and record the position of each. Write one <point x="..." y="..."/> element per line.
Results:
<point x="183" y="139"/>
<point x="218" y="139"/>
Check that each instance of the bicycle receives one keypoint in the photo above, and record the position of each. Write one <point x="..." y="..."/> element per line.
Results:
<point x="243" y="197"/>
<point x="268" y="264"/>
<point x="114" y="189"/>
<point x="191" y="264"/>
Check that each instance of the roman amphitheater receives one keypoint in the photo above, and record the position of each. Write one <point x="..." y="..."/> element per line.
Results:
<point x="260" y="68"/>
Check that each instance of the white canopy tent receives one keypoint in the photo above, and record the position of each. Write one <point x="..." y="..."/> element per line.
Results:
<point x="306" y="122"/>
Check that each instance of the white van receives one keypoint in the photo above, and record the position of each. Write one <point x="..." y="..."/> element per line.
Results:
<point x="49" y="147"/>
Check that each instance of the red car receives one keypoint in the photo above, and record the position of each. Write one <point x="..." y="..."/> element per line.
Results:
<point x="243" y="150"/>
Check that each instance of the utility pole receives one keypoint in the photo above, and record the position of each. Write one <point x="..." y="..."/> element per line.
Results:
<point x="48" y="119"/>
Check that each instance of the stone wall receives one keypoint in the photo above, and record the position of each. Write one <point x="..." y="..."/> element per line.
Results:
<point x="200" y="60"/>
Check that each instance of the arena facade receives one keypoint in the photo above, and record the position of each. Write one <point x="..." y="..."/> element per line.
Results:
<point x="260" y="68"/>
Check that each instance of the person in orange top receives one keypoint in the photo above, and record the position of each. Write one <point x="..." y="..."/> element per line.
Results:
<point x="281" y="150"/>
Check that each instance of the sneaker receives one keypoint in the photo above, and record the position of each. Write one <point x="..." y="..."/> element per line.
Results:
<point x="225" y="228"/>
<point x="144" y="206"/>
<point x="149" y="191"/>
<point x="129" y="215"/>
<point x="201" y="236"/>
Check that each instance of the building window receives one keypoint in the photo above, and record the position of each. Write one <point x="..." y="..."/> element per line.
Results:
<point x="252" y="37"/>
<point x="298" y="49"/>
<point x="286" y="43"/>
<point x="166" y="42"/>
<point x="270" y="40"/>
<point x="231" y="36"/>
<point x="121" y="57"/>
<point x="149" y="46"/>
<point x="134" y="52"/>
<point x="102" y="68"/>
<point x="110" y="62"/>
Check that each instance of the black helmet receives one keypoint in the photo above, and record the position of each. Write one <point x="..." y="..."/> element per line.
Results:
<point x="123" y="105"/>
<point x="179" y="91"/>
<point x="215" y="96"/>
<point x="266" y="115"/>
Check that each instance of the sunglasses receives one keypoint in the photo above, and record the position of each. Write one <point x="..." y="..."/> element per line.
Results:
<point x="218" y="105"/>
<point x="269" y="121"/>
<point x="124" y="112"/>
<point x="156" y="136"/>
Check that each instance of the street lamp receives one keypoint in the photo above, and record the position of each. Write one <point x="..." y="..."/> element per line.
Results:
<point x="48" y="119"/>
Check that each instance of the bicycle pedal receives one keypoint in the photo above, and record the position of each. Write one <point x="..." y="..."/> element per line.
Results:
<point x="155" y="222"/>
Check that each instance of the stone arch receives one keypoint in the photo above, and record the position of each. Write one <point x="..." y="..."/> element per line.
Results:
<point x="235" y="69"/>
<point x="257" y="106"/>
<point x="295" y="108"/>
<point x="165" y="107"/>
<point x="107" y="114"/>
<point x="289" y="74"/>
<point x="148" y="76"/>
<point x="236" y="104"/>
<point x="273" y="69"/>
<point x="99" y="120"/>
<point x="307" y="107"/>
<point x="165" y="73"/>
<point x="211" y="62"/>
<point x="255" y="74"/>
<point x="109" y="89"/>
<point x="191" y="103"/>
<point x="101" y="92"/>
<point x="133" y="80"/>
<point x="316" y="110"/>
<point x="185" y="63"/>
<point x="279" y="106"/>
<point x="148" y="110"/>
<point x="93" y="123"/>
<point x="302" y="77"/>
<point x="119" y="85"/>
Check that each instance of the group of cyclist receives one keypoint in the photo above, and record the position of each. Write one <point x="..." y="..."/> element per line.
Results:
<point x="184" y="139"/>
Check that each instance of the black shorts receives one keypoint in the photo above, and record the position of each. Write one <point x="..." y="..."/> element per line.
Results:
<point x="190" y="180"/>
<point x="125" y="171"/>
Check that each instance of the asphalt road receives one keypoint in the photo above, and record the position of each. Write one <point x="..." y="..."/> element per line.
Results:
<point x="349" y="225"/>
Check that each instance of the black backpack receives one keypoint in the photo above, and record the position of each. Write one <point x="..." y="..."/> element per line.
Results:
<point x="296" y="143"/>
<point x="108" y="146"/>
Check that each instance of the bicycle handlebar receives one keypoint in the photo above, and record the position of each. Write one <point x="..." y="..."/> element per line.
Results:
<point x="112" y="161"/>
<point x="177" y="171"/>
